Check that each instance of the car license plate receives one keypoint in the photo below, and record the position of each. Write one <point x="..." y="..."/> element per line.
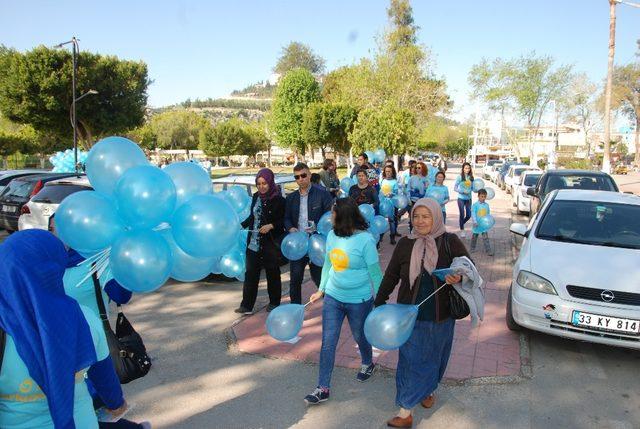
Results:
<point x="9" y="209"/>
<point x="608" y="323"/>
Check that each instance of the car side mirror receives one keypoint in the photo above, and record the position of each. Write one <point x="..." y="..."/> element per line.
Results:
<point x="531" y="191"/>
<point x="628" y="192"/>
<point x="519" y="229"/>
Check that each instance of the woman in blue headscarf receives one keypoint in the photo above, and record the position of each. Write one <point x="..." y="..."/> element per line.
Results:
<point x="51" y="341"/>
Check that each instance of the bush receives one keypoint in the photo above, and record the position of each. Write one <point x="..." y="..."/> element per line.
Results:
<point x="573" y="163"/>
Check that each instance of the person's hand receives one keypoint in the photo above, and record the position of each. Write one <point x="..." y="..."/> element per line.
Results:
<point x="265" y="228"/>
<point x="118" y="411"/>
<point x="453" y="279"/>
<point x="293" y="229"/>
<point x="316" y="296"/>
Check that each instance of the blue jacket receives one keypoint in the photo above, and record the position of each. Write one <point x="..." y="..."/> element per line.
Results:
<point x="318" y="203"/>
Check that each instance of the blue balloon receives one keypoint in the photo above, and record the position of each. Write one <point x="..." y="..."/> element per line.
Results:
<point x="371" y="157"/>
<point x="317" y="249"/>
<point x="345" y="184"/>
<point x="205" y="226"/>
<point x="285" y="321"/>
<point x="186" y="268"/>
<point x="238" y="198"/>
<point x="216" y="268"/>
<point x="146" y="196"/>
<point x="486" y="222"/>
<point x="491" y="193"/>
<point x="387" y="208"/>
<point x="400" y="201"/>
<point x="374" y="234"/>
<point x="389" y="326"/>
<point x="367" y="211"/>
<point x="477" y="185"/>
<point x="380" y="155"/>
<point x="88" y="222"/>
<point x="325" y="224"/>
<point x="243" y="236"/>
<point x="141" y="260"/>
<point x="189" y="179"/>
<point x="380" y="224"/>
<point x="354" y="181"/>
<point x="295" y="245"/>
<point x="436" y="194"/>
<point x="109" y="159"/>
<point x="233" y="264"/>
<point x="416" y="184"/>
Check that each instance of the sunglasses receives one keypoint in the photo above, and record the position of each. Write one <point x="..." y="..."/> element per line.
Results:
<point x="300" y="176"/>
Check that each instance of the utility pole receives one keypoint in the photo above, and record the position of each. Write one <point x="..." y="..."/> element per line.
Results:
<point x="606" y="160"/>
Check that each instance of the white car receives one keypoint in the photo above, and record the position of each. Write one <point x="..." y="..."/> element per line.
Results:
<point x="578" y="272"/>
<point x="486" y="170"/>
<point x="36" y="213"/>
<point x="521" y="200"/>
<point x="495" y="170"/>
<point x="512" y="177"/>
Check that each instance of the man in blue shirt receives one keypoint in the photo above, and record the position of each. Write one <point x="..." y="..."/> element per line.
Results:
<point x="304" y="206"/>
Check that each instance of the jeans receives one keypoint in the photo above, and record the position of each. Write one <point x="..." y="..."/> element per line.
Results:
<point x="297" y="274"/>
<point x="464" y="206"/>
<point x="485" y="240"/>
<point x="393" y="223"/>
<point x="444" y="217"/>
<point x="255" y="263"/>
<point x="333" y="313"/>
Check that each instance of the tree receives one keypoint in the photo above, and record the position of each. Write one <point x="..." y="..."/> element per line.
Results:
<point x="626" y="91"/>
<point x="298" y="55"/>
<point x="234" y="137"/>
<point x="390" y="128"/>
<point x="527" y="84"/>
<point x="327" y="124"/>
<point x="296" y="90"/>
<point x="580" y="106"/>
<point x="404" y="31"/>
<point x="35" y="89"/>
<point x="175" y="129"/>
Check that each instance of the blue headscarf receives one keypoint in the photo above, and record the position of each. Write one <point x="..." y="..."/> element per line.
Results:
<point x="49" y="330"/>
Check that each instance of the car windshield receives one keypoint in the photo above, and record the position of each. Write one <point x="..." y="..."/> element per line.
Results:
<point x="593" y="183"/>
<point x="531" y="179"/>
<point x="54" y="194"/>
<point x="519" y="171"/>
<point x="492" y="162"/>
<point x="18" y="189"/>
<point x="592" y="222"/>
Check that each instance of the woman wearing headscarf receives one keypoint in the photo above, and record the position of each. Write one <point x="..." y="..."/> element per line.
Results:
<point x="266" y="225"/>
<point x="51" y="342"/>
<point x="423" y="358"/>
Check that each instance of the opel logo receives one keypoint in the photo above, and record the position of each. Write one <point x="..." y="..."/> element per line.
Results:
<point x="607" y="295"/>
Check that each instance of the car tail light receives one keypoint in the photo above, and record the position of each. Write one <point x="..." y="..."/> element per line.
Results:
<point x="36" y="188"/>
<point x="25" y="210"/>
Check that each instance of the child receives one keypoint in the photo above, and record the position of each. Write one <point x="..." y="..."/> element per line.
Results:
<point x="389" y="188"/>
<point x="440" y="193"/>
<point x="479" y="209"/>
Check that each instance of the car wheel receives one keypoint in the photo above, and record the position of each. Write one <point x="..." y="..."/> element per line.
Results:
<point x="511" y="322"/>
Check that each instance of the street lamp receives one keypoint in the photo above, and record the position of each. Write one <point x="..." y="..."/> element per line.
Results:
<point x="75" y="48"/>
<point x="90" y="92"/>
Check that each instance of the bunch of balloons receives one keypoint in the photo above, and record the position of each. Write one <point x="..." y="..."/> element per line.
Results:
<point x="376" y="157"/>
<point x="149" y="224"/>
<point x="387" y="208"/>
<point x="485" y="223"/>
<point x="63" y="162"/>
<point x="239" y="199"/>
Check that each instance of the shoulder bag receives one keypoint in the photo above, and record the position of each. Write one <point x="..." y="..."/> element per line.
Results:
<point x="457" y="305"/>
<point x="126" y="348"/>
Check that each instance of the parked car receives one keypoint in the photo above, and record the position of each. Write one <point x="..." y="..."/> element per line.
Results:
<point x="18" y="192"/>
<point x="286" y="182"/>
<point x="512" y="178"/>
<point x="495" y="170"/>
<point x="503" y="172"/>
<point x="37" y="211"/>
<point x="521" y="200"/>
<point x="621" y="169"/>
<point x="576" y="273"/>
<point x="486" y="170"/>
<point x="7" y="176"/>
<point x="568" y="179"/>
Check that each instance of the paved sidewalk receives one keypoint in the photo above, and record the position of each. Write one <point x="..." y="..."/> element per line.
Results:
<point x="490" y="350"/>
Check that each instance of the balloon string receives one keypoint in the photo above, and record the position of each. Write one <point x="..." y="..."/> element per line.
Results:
<point x="308" y="303"/>
<point x="98" y="255"/>
<point x="97" y="266"/>
<point x="434" y="292"/>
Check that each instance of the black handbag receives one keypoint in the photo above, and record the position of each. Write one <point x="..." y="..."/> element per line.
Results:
<point x="128" y="353"/>
<point x="457" y="305"/>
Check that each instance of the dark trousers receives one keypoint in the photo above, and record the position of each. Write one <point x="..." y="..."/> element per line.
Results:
<point x="297" y="274"/>
<point x="255" y="263"/>
<point x="464" y="206"/>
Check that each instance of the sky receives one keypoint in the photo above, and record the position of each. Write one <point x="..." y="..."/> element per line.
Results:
<point x="200" y="49"/>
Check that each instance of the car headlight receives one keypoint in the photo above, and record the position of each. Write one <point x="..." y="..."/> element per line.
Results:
<point x="533" y="282"/>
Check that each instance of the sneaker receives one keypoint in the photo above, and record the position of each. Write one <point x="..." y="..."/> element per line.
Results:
<point x="366" y="371"/>
<point x="145" y="425"/>
<point x="392" y="240"/>
<point x="243" y="310"/>
<point x="463" y="234"/>
<point x="318" y="395"/>
<point x="270" y="307"/>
